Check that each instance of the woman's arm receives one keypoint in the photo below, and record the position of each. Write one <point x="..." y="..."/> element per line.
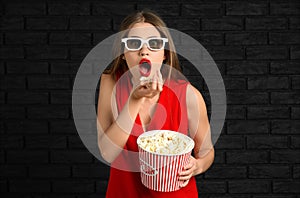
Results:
<point x="199" y="130"/>
<point x="113" y="133"/>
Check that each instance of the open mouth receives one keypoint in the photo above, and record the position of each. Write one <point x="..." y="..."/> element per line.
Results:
<point x="145" y="67"/>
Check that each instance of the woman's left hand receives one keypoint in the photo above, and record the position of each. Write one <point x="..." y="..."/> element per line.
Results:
<point x="188" y="172"/>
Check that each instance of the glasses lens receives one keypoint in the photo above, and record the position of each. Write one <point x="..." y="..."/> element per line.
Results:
<point x="156" y="43"/>
<point x="134" y="43"/>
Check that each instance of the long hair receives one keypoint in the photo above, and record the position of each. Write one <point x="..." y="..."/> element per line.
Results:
<point x="119" y="65"/>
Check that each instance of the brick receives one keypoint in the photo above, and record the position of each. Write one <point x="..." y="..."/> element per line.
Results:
<point x="207" y="38"/>
<point x="11" y="53"/>
<point x="45" y="141"/>
<point x="66" y="127"/>
<point x="79" y="54"/>
<point x="27" y="156"/>
<point x="90" y="23"/>
<point x="247" y="98"/>
<point x="296" y="171"/>
<point x="26" y="127"/>
<point x="226" y="53"/>
<point x="71" y="157"/>
<point x="69" y="8"/>
<point x="61" y="97"/>
<point x="295" y="83"/>
<point x="268" y="112"/>
<point x="249" y="186"/>
<point x="295" y="113"/>
<point x="75" y="142"/>
<point x="285" y="156"/>
<point x="223" y="23"/>
<point x="183" y="24"/>
<point x="285" y="127"/>
<point x="48" y="82"/>
<point x="286" y="38"/>
<point x="27" y="98"/>
<point x="36" y="8"/>
<point x="2" y="97"/>
<point x="246" y="8"/>
<point x="230" y="142"/>
<point x="46" y="53"/>
<point x="163" y="9"/>
<point x="247" y="157"/>
<point x="2" y="68"/>
<point x="266" y="142"/>
<point x="289" y="8"/>
<point x="11" y="141"/>
<point x="3" y="186"/>
<point x="100" y="36"/>
<point x="235" y="112"/>
<point x="295" y="52"/>
<point x="269" y="171"/>
<point x="65" y="67"/>
<point x="13" y="171"/>
<point x="29" y="186"/>
<point x="204" y="9"/>
<point x="12" y="23"/>
<point x="82" y="186"/>
<point x="266" y="23"/>
<point x="49" y="171"/>
<point x="294" y="23"/>
<point x="91" y="171"/>
<point x="267" y="52"/>
<point x="112" y="9"/>
<point x="226" y="172"/>
<point x="48" y="112"/>
<point x="72" y="38"/>
<point x="2" y="157"/>
<point x="26" y="38"/>
<point x="235" y="83"/>
<point x="246" y="67"/>
<point x="267" y="82"/>
<point x="284" y="67"/>
<point x="295" y="143"/>
<point x="10" y="82"/>
<point x="101" y="187"/>
<point x="247" y="127"/>
<point x="208" y="187"/>
<point x="11" y="112"/>
<point x="250" y="38"/>
<point x="285" y="97"/>
<point x="27" y="67"/>
<point x="286" y="186"/>
<point x="47" y="23"/>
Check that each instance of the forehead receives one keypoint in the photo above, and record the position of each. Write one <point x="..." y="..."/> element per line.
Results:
<point x="143" y="30"/>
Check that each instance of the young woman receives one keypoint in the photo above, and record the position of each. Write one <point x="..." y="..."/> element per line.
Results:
<point x="142" y="92"/>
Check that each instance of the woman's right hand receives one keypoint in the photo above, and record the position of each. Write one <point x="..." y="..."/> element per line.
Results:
<point x="148" y="88"/>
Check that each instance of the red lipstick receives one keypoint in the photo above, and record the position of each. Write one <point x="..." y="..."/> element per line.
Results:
<point x="145" y="67"/>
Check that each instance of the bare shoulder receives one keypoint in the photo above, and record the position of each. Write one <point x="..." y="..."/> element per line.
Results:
<point x="107" y="81"/>
<point x="194" y="97"/>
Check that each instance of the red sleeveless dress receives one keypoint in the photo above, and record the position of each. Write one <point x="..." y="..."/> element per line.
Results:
<point x="170" y="114"/>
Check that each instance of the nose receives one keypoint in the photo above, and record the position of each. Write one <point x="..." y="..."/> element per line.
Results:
<point x="144" y="50"/>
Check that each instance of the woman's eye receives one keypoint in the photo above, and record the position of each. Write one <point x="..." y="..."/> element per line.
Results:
<point x="134" y="43"/>
<point x="154" y="43"/>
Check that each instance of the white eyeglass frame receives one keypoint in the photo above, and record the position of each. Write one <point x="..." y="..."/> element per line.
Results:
<point x="143" y="41"/>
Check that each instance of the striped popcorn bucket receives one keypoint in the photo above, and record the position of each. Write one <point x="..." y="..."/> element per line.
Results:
<point x="159" y="172"/>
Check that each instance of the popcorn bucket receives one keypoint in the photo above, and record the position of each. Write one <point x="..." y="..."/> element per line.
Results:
<point x="159" y="172"/>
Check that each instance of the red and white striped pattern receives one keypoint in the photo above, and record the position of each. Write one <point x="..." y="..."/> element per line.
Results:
<point x="160" y="172"/>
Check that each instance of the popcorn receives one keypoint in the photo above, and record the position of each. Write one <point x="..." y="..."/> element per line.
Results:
<point x="163" y="142"/>
<point x="144" y="78"/>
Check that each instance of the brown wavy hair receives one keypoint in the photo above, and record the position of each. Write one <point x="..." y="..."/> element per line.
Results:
<point x="119" y="65"/>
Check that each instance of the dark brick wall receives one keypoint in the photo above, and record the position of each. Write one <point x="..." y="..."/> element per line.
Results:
<point x="256" y="45"/>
